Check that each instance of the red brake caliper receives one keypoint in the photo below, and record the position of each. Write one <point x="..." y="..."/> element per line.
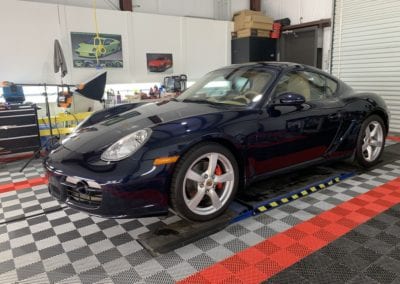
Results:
<point x="218" y="172"/>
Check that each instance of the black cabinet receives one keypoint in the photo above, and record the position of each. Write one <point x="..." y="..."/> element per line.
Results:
<point x="252" y="49"/>
<point x="19" y="131"/>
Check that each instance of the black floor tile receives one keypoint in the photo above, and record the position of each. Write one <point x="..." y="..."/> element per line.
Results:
<point x="368" y="254"/>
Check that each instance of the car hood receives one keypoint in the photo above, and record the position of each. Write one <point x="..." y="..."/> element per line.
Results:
<point x="106" y="132"/>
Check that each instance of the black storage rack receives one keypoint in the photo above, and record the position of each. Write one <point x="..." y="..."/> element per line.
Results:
<point x="19" y="129"/>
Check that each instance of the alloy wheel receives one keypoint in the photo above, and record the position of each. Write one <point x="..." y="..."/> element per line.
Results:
<point x="208" y="183"/>
<point x="373" y="141"/>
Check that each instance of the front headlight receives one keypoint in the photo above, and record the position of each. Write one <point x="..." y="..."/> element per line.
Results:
<point x="126" y="146"/>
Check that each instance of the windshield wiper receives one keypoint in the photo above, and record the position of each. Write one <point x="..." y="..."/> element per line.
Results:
<point x="202" y="102"/>
<point x="194" y="101"/>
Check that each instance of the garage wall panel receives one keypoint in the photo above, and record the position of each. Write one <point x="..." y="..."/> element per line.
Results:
<point x="25" y="44"/>
<point x="200" y="48"/>
<point x="366" y="49"/>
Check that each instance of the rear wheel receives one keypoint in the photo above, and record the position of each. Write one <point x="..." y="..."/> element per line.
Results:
<point x="205" y="182"/>
<point x="371" y="141"/>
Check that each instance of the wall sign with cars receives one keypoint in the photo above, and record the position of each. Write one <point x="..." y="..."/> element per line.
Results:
<point x="91" y="52"/>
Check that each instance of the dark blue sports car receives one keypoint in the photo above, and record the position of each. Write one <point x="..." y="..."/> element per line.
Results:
<point x="236" y="125"/>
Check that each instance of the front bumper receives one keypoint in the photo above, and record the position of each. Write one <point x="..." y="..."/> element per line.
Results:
<point x="140" y="194"/>
<point x="89" y="54"/>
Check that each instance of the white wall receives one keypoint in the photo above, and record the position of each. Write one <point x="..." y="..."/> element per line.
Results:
<point x="194" y="8"/>
<point x="238" y="5"/>
<point x="202" y="53"/>
<point x="197" y="45"/>
<point x="26" y="48"/>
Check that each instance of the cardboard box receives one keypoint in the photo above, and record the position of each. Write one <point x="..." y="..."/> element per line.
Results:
<point x="254" y="18"/>
<point x="252" y="21"/>
<point x="253" y="25"/>
<point x="250" y="32"/>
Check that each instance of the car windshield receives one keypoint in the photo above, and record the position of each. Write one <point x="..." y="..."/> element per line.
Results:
<point x="239" y="86"/>
<point x="96" y="41"/>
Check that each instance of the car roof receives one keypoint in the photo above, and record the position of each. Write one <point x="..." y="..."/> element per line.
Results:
<point x="273" y="64"/>
<point x="279" y="66"/>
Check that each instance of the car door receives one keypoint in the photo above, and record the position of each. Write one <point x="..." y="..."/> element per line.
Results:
<point x="294" y="134"/>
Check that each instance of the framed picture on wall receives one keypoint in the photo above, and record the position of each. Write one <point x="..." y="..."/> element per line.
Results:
<point x="89" y="51"/>
<point x="159" y="62"/>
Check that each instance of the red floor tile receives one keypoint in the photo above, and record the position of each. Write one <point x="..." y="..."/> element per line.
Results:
<point x="251" y="275"/>
<point x="253" y="256"/>
<point x="394" y="138"/>
<point x="22" y="184"/>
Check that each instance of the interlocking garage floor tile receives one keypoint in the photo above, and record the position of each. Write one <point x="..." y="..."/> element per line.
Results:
<point x="10" y="172"/>
<point x="67" y="246"/>
<point x="369" y="254"/>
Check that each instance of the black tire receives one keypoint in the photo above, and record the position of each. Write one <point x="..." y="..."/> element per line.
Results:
<point x="359" y="155"/>
<point x="178" y="191"/>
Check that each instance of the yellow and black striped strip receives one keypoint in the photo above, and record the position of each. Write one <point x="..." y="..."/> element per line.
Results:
<point x="297" y="195"/>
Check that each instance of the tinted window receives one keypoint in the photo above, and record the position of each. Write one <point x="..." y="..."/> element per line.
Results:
<point x="311" y="85"/>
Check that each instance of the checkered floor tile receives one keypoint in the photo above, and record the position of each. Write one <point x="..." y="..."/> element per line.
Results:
<point x="67" y="246"/>
<point x="368" y="254"/>
<point x="9" y="173"/>
<point x="20" y="204"/>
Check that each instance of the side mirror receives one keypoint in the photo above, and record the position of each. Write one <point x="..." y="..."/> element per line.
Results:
<point x="290" y="98"/>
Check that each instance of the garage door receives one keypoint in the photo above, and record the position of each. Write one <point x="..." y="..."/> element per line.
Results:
<point x="366" y="49"/>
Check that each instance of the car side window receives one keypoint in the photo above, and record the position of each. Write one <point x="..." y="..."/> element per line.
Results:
<point x="317" y="85"/>
<point x="294" y="82"/>
<point x="312" y="86"/>
<point x="331" y="87"/>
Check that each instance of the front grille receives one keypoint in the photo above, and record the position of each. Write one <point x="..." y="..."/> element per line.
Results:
<point x="81" y="193"/>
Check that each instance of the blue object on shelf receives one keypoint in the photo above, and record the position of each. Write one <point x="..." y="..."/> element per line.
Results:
<point x="13" y="93"/>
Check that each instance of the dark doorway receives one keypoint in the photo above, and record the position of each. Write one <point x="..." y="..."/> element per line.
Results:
<point x="300" y="46"/>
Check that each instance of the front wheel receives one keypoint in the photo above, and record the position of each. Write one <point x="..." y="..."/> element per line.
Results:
<point x="371" y="141"/>
<point x="205" y="182"/>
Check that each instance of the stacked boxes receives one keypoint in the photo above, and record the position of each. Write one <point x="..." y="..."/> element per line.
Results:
<point x="251" y="23"/>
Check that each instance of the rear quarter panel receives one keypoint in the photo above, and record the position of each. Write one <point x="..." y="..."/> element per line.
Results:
<point x="359" y="106"/>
